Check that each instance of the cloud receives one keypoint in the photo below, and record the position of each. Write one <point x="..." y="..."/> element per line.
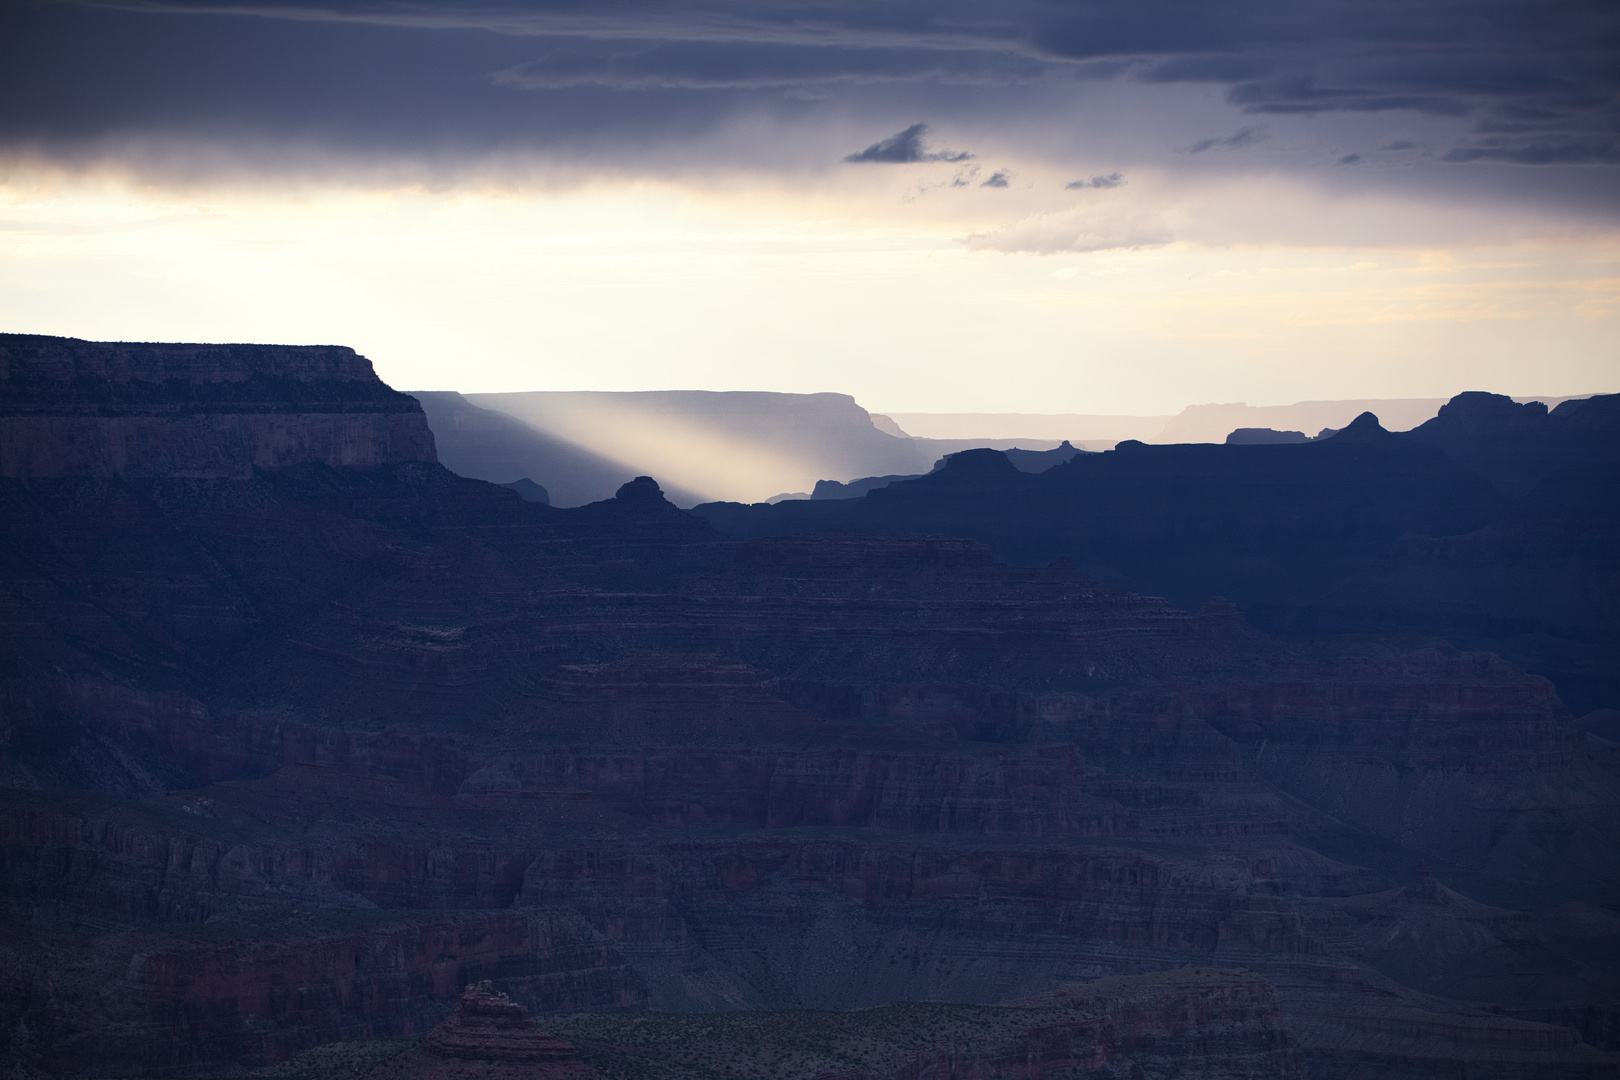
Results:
<point x="1300" y="93"/>
<point x="1349" y="159"/>
<point x="905" y="148"/>
<point x="689" y="65"/>
<point x="1080" y="229"/>
<point x="653" y="85"/>
<point x="1560" y="152"/>
<point x="1238" y="140"/>
<point x="1112" y="180"/>
<point x="1208" y="68"/>
<point x="998" y="179"/>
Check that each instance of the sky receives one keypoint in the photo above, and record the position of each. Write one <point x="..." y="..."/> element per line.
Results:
<point x="1017" y="206"/>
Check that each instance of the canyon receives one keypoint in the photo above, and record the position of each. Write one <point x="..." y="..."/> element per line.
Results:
<point x="302" y="734"/>
<point x="1494" y="526"/>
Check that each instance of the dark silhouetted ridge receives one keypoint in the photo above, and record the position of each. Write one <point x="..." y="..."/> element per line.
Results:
<point x="1363" y="429"/>
<point x="1518" y="446"/>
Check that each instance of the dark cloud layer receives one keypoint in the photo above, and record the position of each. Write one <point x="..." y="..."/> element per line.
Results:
<point x="689" y="65"/>
<point x="905" y="148"/>
<point x="1528" y="82"/>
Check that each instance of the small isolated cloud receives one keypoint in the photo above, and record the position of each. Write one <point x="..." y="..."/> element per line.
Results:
<point x="1112" y="180"/>
<point x="1080" y="229"/>
<point x="905" y="148"/>
<point x="999" y="178"/>
<point x="1350" y="159"/>
<point x="1399" y="144"/>
<point x="1238" y="140"/>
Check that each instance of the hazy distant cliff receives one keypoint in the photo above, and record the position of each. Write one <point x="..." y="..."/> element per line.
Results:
<point x="740" y="445"/>
<point x="85" y="408"/>
<point x="487" y="444"/>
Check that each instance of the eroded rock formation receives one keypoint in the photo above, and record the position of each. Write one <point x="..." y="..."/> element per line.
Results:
<point x="488" y="1035"/>
<point x="71" y="408"/>
<point x="292" y="755"/>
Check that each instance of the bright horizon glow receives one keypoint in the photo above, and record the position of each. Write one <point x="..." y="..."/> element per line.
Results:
<point x="860" y="282"/>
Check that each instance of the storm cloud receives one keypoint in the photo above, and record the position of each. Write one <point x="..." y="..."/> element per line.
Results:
<point x="687" y="65"/>
<point x="1507" y="82"/>
<point x="713" y="193"/>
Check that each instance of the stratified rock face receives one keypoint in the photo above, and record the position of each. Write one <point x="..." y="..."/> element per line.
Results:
<point x="72" y="408"/>
<point x="487" y="1026"/>
<point x="489" y="1035"/>
<point x="229" y="989"/>
<point x="291" y="756"/>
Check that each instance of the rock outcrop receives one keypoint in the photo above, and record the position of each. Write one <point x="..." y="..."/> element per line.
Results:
<point x="488" y="1035"/>
<point x="71" y="408"/>
<point x="1518" y="446"/>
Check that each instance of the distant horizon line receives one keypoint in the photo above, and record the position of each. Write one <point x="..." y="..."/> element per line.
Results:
<point x="1521" y="399"/>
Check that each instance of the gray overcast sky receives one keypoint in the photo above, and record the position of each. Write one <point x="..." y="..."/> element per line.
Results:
<point x="1034" y="205"/>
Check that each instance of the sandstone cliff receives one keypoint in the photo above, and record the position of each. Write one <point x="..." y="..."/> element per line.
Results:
<point x="487" y="1037"/>
<point x="101" y="409"/>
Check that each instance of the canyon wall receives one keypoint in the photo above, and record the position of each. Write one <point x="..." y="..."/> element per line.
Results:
<point x="102" y="409"/>
<point x="291" y="754"/>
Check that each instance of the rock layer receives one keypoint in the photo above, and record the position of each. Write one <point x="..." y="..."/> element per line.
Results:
<point x="102" y="409"/>
<point x="488" y="1035"/>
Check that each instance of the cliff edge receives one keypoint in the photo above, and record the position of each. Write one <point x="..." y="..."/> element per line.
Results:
<point x="73" y="408"/>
